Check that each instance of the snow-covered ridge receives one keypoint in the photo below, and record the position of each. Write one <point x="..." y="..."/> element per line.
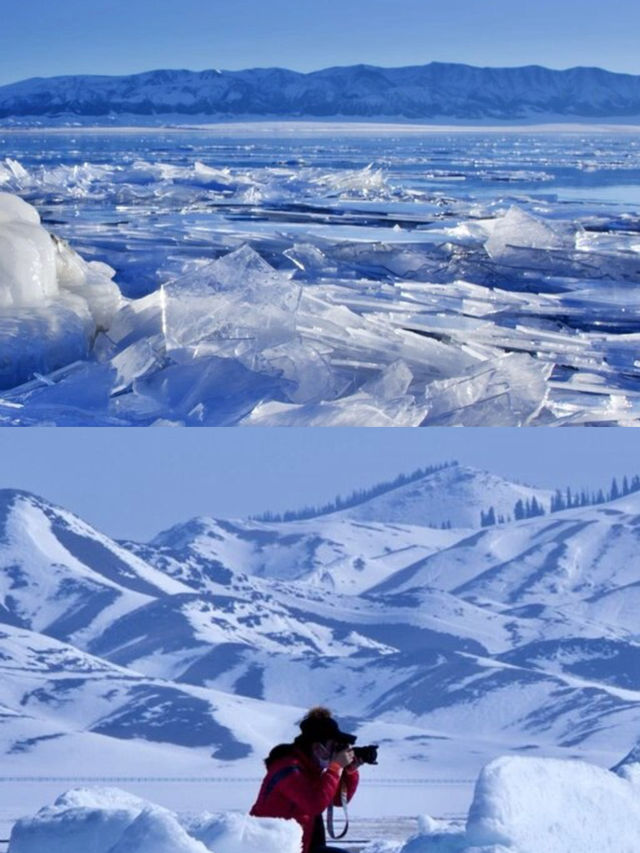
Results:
<point x="449" y="644"/>
<point x="433" y="91"/>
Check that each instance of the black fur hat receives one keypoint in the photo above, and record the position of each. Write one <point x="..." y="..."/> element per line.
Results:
<point x="318" y="726"/>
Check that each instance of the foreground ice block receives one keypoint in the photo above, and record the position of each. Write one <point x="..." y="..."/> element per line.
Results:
<point x="543" y="805"/>
<point x="108" y="820"/>
<point x="51" y="301"/>
<point x="82" y="820"/>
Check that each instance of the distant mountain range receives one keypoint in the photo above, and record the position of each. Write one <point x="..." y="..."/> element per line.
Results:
<point x="433" y="92"/>
<point x="445" y="645"/>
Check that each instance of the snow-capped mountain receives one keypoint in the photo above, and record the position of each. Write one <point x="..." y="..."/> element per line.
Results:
<point x="210" y="640"/>
<point x="433" y="91"/>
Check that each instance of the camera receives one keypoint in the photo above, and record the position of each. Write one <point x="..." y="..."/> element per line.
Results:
<point x="365" y="754"/>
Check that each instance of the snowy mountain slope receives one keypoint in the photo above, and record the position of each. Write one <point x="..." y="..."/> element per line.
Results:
<point x="331" y="552"/>
<point x="522" y="633"/>
<point x="455" y="494"/>
<point x="55" y="682"/>
<point x="436" y="90"/>
<point x="349" y="550"/>
<point x="576" y="556"/>
<point x="62" y="577"/>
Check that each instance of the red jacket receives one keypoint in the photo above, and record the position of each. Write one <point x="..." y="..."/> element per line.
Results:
<point x="297" y="787"/>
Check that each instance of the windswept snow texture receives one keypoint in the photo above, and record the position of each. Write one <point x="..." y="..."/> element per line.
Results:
<point x="312" y="279"/>
<point x="298" y="277"/>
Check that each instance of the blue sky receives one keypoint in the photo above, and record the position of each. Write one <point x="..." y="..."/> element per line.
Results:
<point x="41" y="38"/>
<point x="135" y="482"/>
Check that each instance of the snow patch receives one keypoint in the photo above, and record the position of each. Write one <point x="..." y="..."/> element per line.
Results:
<point x="109" y="820"/>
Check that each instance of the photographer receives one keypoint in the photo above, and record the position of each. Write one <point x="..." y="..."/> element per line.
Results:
<point x="306" y="776"/>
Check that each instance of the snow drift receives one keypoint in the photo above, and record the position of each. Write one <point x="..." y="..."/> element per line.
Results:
<point x="108" y="820"/>
<point x="51" y="301"/>
<point x="530" y="805"/>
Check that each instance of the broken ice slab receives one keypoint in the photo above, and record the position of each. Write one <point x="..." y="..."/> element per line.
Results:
<point x="519" y="229"/>
<point x="236" y="305"/>
<point x="510" y="390"/>
<point x="373" y="339"/>
<point x="203" y="392"/>
<point x="358" y="183"/>
<point x="373" y="406"/>
<point x="307" y="370"/>
<point x="136" y="360"/>
<point x="77" y="394"/>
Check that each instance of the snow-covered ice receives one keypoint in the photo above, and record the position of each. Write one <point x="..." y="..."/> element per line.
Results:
<point x="110" y="820"/>
<point x="520" y="805"/>
<point x="51" y="300"/>
<point x="541" y="805"/>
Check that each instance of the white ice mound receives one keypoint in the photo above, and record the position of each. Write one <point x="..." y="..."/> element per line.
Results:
<point x="90" y="820"/>
<point x="51" y="301"/>
<point x="517" y="230"/>
<point x="530" y="805"/>
<point x="108" y="820"/>
<point x="240" y="833"/>
<point x="156" y="830"/>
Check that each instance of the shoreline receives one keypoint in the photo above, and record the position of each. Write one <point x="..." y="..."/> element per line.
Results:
<point x="312" y="127"/>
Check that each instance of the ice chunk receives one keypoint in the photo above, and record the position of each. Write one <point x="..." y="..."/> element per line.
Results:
<point x="107" y="820"/>
<point x="80" y="821"/>
<point x="12" y="172"/>
<point x="529" y="804"/>
<point x="15" y="209"/>
<point x="51" y="300"/>
<point x="27" y="257"/>
<point x="358" y="183"/>
<point x="519" y="229"/>
<point x="381" y="402"/>
<point x="156" y="830"/>
<point x="509" y="390"/>
<point x="92" y="281"/>
<point x="309" y="375"/>
<point x="235" y="306"/>
<point x="40" y="339"/>
<point x="203" y="392"/>
<point x="239" y="833"/>
<point x="392" y="383"/>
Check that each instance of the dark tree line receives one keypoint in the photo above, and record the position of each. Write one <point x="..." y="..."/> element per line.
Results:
<point x="356" y="497"/>
<point x="569" y="500"/>
<point x="563" y="500"/>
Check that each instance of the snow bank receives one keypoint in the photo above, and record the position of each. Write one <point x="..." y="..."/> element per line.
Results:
<point x="531" y="805"/>
<point x="108" y="820"/>
<point x="83" y="820"/>
<point x="51" y="301"/>
<point x="239" y="833"/>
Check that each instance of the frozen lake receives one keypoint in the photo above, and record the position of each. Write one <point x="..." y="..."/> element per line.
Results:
<point x="450" y="278"/>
